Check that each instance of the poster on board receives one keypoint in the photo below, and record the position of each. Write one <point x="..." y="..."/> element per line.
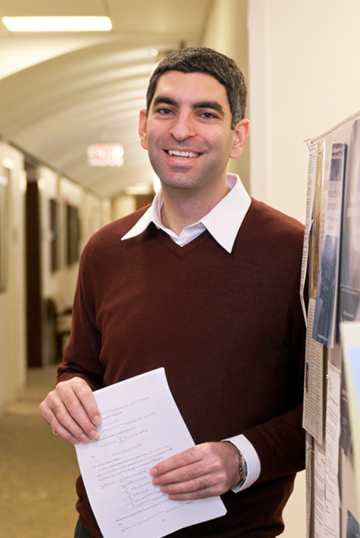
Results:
<point x="324" y="330"/>
<point x="350" y="246"/>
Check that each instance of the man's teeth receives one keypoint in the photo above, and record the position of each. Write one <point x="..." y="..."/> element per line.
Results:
<point x="185" y="154"/>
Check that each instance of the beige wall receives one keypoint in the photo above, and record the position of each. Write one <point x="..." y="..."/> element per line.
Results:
<point x="122" y="205"/>
<point x="12" y="304"/>
<point x="227" y="32"/>
<point x="301" y="62"/>
<point x="305" y="78"/>
<point x="59" y="286"/>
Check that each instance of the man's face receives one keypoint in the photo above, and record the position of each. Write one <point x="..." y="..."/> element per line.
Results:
<point x="188" y="132"/>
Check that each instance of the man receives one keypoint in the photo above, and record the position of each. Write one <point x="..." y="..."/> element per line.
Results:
<point x="206" y="284"/>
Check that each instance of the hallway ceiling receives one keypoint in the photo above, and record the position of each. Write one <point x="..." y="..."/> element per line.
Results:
<point x="92" y="93"/>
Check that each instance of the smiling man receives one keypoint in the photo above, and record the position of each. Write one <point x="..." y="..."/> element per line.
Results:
<point x="204" y="283"/>
<point x="187" y="131"/>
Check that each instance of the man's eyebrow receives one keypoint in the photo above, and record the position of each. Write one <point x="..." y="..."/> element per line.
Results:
<point x="214" y="105"/>
<point x="165" y="100"/>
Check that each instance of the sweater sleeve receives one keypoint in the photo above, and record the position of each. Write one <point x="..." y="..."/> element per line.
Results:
<point x="280" y="445"/>
<point x="280" y="442"/>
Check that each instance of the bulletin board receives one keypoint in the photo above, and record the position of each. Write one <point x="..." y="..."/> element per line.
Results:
<point x="331" y="268"/>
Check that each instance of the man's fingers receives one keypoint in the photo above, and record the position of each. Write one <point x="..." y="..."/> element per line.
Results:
<point x="80" y="392"/>
<point x="194" y="483"/>
<point x="206" y="470"/>
<point x="197" y="494"/>
<point x="70" y="416"/>
<point x="72" y="412"/>
<point x="196" y="470"/>
<point x="176" y="463"/>
<point x="65" y="418"/>
<point x="58" y="429"/>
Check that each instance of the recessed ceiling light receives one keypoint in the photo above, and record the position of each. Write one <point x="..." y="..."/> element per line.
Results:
<point x="57" y="24"/>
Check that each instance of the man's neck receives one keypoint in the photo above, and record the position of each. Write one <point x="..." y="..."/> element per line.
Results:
<point x="185" y="209"/>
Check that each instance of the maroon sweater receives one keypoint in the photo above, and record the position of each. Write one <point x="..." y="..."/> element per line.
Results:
<point x="227" y="328"/>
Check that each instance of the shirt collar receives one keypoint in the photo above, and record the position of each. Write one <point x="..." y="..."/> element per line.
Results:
<point x="222" y="222"/>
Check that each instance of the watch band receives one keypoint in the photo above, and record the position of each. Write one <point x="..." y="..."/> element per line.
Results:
<point x="242" y="469"/>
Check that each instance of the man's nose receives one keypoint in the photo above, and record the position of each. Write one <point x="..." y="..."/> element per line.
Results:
<point x="183" y="126"/>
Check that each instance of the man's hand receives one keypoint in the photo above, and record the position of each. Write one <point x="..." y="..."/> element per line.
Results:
<point x="205" y="470"/>
<point x="72" y="412"/>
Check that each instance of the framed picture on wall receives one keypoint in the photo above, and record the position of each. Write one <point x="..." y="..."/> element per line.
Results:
<point x="73" y="234"/>
<point x="55" y="235"/>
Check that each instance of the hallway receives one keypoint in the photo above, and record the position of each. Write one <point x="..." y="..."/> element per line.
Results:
<point x="37" y="469"/>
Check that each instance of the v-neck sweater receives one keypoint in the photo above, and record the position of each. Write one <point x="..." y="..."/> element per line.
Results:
<point x="229" y="331"/>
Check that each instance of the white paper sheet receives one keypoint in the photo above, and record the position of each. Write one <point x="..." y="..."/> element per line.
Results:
<point x="309" y="466"/>
<point x="308" y="222"/>
<point x="141" y="426"/>
<point x="350" y="337"/>
<point x="313" y="384"/>
<point x="319" y="492"/>
<point x="332" y="436"/>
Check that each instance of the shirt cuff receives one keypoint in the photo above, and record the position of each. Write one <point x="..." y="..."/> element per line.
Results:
<point x="252" y="461"/>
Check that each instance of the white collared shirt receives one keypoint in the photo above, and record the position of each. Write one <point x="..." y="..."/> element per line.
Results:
<point x="223" y="223"/>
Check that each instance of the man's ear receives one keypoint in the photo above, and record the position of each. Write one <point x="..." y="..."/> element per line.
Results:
<point x="241" y="132"/>
<point x="142" y="128"/>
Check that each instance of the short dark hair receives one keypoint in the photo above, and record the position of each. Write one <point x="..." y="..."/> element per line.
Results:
<point x="208" y="61"/>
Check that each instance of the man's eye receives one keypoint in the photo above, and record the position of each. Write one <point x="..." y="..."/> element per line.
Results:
<point x="208" y="115"/>
<point x="164" y="111"/>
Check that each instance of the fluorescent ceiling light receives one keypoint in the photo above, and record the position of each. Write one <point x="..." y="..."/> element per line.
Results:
<point x="57" y="24"/>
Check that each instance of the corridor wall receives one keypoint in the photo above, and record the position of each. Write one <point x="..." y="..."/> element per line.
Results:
<point x="12" y="291"/>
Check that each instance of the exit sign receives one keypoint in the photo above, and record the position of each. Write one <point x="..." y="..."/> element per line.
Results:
<point x="106" y="155"/>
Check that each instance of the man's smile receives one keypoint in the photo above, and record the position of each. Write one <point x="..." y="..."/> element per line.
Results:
<point x="182" y="154"/>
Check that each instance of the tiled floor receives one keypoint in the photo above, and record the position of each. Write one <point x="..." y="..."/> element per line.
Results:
<point x="37" y="469"/>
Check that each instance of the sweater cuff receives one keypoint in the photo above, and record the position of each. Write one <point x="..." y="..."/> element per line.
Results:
<point x="251" y="458"/>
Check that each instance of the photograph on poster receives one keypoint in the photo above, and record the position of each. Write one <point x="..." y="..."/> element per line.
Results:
<point x="315" y="237"/>
<point x="350" y="243"/>
<point x="326" y="297"/>
<point x="352" y="528"/>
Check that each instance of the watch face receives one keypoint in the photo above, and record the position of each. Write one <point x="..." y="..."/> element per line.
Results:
<point x="242" y="470"/>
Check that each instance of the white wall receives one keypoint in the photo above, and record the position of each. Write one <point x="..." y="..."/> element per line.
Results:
<point x="48" y="189"/>
<point x="122" y="205"/>
<point x="12" y="300"/>
<point x="227" y="32"/>
<point x="106" y="216"/>
<point x="58" y="285"/>
<point x="302" y="65"/>
<point x="93" y="213"/>
<point x="71" y="193"/>
<point x="308" y="66"/>
<point x="92" y="216"/>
